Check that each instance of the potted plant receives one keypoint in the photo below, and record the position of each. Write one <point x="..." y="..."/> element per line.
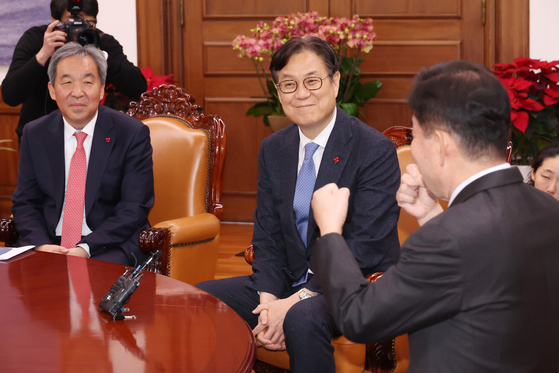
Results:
<point x="533" y="90"/>
<point x="348" y="37"/>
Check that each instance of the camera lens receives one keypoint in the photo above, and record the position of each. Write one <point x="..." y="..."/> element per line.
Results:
<point x="87" y="37"/>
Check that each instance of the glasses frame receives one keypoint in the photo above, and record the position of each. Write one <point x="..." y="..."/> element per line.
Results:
<point x="297" y="84"/>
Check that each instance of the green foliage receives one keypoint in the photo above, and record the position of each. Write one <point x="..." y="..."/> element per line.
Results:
<point x="543" y="130"/>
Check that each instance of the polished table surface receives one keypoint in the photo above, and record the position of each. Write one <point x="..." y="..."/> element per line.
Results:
<point x="50" y="322"/>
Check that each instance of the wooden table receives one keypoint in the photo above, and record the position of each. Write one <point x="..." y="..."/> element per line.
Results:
<point x="50" y="322"/>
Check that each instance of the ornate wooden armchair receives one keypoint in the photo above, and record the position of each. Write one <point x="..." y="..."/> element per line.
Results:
<point x="188" y="157"/>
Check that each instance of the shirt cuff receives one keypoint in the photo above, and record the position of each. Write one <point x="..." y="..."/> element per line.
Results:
<point x="86" y="248"/>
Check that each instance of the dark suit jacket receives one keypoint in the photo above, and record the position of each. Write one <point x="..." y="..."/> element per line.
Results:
<point x="119" y="187"/>
<point x="367" y="165"/>
<point x="476" y="288"/>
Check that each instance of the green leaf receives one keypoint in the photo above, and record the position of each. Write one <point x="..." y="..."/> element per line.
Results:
<point x="350" y="108"/>
<point x="368" y="90"/>
<point x="266" y="121"/>
<point x="346" y="64"/>
<point x="261" y="108"/>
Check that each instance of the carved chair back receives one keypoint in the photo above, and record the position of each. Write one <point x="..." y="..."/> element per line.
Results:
<point x="188" y="153"/>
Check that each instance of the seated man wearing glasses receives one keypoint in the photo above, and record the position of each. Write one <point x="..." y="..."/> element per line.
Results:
<point x="282" y="300"/>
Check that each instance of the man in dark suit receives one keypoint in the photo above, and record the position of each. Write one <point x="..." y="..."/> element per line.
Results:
<point x="96" y="208"/>
<point x="477" y="285"/>
<point x="281" y="300"/>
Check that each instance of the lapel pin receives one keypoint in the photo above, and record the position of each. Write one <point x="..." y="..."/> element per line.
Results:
<point x="337" y="160"/>
<point x="107" y="140"/>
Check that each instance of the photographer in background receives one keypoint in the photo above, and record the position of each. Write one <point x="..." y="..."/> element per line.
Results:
<point x="27" y="79"/>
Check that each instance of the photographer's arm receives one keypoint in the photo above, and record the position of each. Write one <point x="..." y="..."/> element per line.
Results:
<point x="26" y="71"/>
<point x="127" y="78"/>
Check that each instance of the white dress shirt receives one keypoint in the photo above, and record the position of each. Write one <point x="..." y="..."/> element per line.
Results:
<point x="70" y="145"/>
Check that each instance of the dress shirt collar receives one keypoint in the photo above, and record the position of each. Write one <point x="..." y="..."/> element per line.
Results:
<point x="471" y="179"/>
<point x="89" y="128"/>
<point x="322" y="137"/>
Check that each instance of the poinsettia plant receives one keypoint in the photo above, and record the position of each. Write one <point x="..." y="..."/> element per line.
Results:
<point x="116" y="100"/>
<point x="348" y="37"/>
<point x="533" y="90"/>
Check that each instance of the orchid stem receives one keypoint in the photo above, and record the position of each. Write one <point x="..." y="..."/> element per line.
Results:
<point x="256" y="65"/>
<point x="351" y="74"/>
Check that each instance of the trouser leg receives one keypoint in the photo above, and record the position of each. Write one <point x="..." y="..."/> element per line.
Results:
<point x="238" y="293"/>
<point x="308" y="328"/>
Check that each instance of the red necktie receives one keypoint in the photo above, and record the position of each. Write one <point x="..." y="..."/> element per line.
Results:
<point x="75" y="196"/>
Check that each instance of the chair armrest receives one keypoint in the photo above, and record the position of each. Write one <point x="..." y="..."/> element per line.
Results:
<point x="190" y="229"/>
<point x="249" y="254"/>
<point x="8" y="232"/>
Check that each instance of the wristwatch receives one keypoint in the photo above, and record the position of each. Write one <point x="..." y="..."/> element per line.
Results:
<point x="303" y="294"/>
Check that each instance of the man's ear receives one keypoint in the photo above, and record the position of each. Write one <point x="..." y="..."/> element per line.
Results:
<point x="336" y="81"/>
<point x="52" y="92"/>
<point x="102" y="93"/>
<point x="442" y="142"/>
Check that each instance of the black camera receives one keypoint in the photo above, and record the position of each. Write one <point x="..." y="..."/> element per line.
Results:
<point x="77" y="29"/>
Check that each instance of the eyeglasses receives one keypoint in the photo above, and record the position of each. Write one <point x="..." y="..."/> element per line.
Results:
<point x="312" y="83"/>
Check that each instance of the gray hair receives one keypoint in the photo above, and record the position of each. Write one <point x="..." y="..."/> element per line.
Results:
<point x="76" y="50"/>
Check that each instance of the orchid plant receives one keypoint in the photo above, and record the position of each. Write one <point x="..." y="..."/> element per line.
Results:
<point x="533" y="90"/>
<point x="348" y="37"/>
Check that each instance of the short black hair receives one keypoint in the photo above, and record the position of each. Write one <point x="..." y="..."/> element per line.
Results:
<point x="467" y="100"/>
<point x="297" y="45"/>
<point x="550" y="151"/>
<point x="58" y="7"/>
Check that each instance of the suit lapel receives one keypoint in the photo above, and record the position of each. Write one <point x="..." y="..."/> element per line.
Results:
<point x="492" y="180"/>
<point x="288" y="173"/>
<point x="54" y="148"/>
<point x="334" y="160"/>
<point x="100" y="152"/>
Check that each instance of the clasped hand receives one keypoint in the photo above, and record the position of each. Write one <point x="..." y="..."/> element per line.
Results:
<point x="75" y="251"/>
<point x="269" y="331"/>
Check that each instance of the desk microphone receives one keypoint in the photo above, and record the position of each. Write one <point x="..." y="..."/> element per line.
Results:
<point x="123" y="288"/>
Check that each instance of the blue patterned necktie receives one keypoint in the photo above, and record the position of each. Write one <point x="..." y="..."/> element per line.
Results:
<point x="304" y="190"/>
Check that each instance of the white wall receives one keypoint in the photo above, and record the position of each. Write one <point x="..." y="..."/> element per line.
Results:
<point x="117" y="18"/>
<point x="544" y="30"/>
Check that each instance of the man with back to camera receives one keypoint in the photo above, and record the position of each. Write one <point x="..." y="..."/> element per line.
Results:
<point x="477" y="285"/>
<point x="85" y="177"/>
<point x="27" y="79"/>
<point x="281" y="300"/>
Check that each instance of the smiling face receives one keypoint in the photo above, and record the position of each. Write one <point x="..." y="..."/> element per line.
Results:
<point x="546" y="177"/>
<point x="310" y="110"/>
<point x="77" y="90"/>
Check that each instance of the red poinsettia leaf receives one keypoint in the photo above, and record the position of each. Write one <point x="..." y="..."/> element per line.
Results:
<point x="147" y="72"/>
<point x="103" y="99"/>
<point x="553" y="88"/>
<point x="550" y="64"/>
<point x="519" y="120"/>
<point x="522" y="94"/>
<point x="532" y="105"/>
<point x="548" y="100"/>
<point x="552" y="91"/>
<point x="522" y="85"/>
<point x="523" y="61"/>
<point x="554" y="77"/>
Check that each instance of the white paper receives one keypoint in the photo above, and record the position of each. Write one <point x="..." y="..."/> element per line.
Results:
<point x="15" y="251"/>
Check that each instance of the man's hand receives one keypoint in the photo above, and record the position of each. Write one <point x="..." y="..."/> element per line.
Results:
<point x="269" y="331"/>
<point x="78" y="251"/>
<point x="415" y="198"/>
<point x="53" y="249"/>
<point x="51" y="41"/>
<point x="75" y="251"/>
<point x="330" y="205"/>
